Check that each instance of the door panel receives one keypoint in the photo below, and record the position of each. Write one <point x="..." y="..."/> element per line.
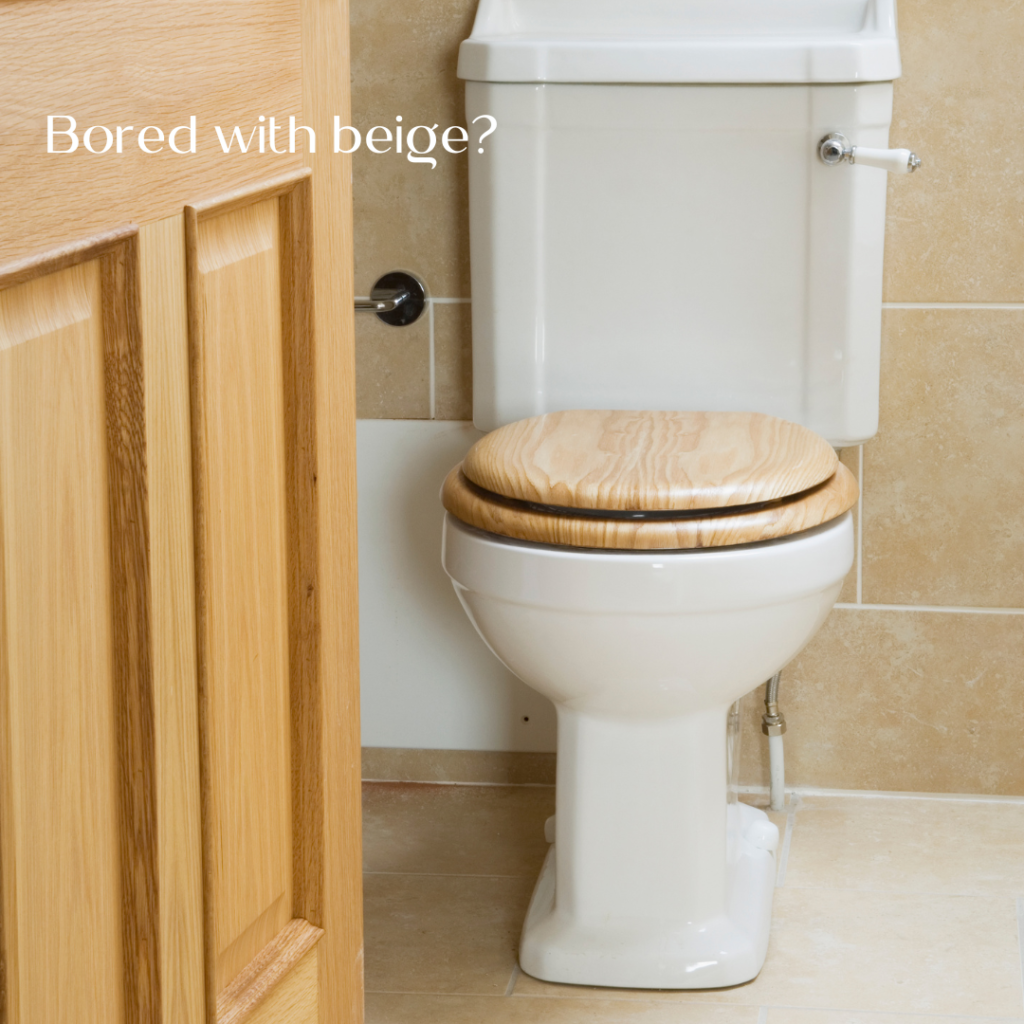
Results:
<point x="77" y="803"/>
<point x="254" y="469"/>
<point x="239" y="459"/>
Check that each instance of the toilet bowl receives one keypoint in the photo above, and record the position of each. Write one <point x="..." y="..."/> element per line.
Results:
<point x="654" y="880"/>
<point x="678" y="206"/>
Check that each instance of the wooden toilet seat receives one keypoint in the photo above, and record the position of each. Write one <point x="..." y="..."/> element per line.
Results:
<point x="648" y="480"/>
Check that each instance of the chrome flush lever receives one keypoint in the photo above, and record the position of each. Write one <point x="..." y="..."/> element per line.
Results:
<point x="835" y="149"/>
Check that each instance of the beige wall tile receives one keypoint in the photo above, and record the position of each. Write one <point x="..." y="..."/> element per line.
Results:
<point x="850" y="458"/>
<point x="943" y="480"/>
<point x="890" y="700"/>
<point x="436" y="933"/>
<point x="500" y="767"/>
<point x="397" y="1009"/>
<point x="954" y="227"/>
<point x="908" y="845"/>
<point x="873" y="952"/>
<point x="467" y="830"/>
<point x="453" y="361"/>
<point x="409" y="216"/>
<point x="392" y="369"/>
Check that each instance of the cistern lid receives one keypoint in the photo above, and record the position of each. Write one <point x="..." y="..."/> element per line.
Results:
<point x="649" y="461"/>
<point x="679" y="41"/>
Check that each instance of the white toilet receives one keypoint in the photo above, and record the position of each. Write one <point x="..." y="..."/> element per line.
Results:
<point x="676" y="257"/>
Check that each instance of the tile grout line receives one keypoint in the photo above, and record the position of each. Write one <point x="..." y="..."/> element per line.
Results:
<point x="952" y="305"/>
<point x="1020" y="941"/>
<point x="433" y="395"/>
<point x="764" y="1009"/>
<point x="913" y="894"/>
<point x="459" y="782"/>
<point x="934" y="608"/>
<point x="889" y="794"/>
<point x="860" y="524"/>
<point x="762" y="1015"/>
<point x="510" y="988"/>
<point x="442" y="874"/>
<point x="869" y="794"/>
<point x="908" y="1014"/>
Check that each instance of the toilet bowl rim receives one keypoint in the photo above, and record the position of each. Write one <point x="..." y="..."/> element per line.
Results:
<point x="648" y="582"/>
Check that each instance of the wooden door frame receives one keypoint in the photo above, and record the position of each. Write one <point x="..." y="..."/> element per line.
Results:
<point x="325" y="93"/>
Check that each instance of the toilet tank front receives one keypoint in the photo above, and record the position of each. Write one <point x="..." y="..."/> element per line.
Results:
<point x="674" y="245"/>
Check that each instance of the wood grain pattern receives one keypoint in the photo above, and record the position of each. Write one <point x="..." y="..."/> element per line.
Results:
<point x="242" y="612"/>
<point x="165" y="349"/>
<point x="325" y="92"/>
<point x="128" y="505"/>
<point x="8" y="895"/>
<point x="245" y="235"/>
<point x="267" y="974"/>
<point x="600" y="459"/>
<point x="61" y="793"/>
<point x="300" y="425"/>
<point x="226" y="64"/>
<point x="296" y="997"/>
<point x="70" y="254"/>
<point x="119" y="62"/>
<point x="80" y="898"/>
<point x="495" y="515"/>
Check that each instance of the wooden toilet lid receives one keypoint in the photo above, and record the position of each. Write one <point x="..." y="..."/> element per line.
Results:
<point x="649" y="480"/>
<point x="718" y="528"/>
<point x="649" y="461"/>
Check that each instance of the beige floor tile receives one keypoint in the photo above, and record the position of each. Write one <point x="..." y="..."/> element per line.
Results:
<point x="408" y="1009"/>
<point x="787" y="1015"/>
<point x="908" y="845"/>
<point x="873" y="952"/>
<point x="471" y="830"/>
<point x="431" y="933"/>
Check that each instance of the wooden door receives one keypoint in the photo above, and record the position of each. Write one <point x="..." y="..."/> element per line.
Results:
<point x="179" y="749"/>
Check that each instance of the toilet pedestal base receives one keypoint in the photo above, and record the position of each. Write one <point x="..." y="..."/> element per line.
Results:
<point x="654" y="881"/>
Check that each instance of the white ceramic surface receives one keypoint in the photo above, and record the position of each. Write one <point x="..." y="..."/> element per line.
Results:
<point x="654" y="880"/>
<point x="670" y="41"/>
<point x="677" y="247"/>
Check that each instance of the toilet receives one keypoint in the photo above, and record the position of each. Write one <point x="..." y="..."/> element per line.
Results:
<point x="676" y="235"/>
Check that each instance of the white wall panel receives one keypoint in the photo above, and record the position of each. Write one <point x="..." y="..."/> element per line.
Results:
<point x="428" y="681"/>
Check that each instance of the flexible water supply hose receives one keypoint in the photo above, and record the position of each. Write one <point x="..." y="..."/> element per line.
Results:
<point x="777" y="761"/>
<point x="773" y="725"/>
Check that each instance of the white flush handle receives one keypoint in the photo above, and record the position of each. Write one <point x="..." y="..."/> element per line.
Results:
<point x="836" y="149"/>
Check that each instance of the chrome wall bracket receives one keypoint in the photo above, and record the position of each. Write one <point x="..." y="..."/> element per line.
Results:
<point x="836" y="148"/>
<point x="398" y="298"/>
